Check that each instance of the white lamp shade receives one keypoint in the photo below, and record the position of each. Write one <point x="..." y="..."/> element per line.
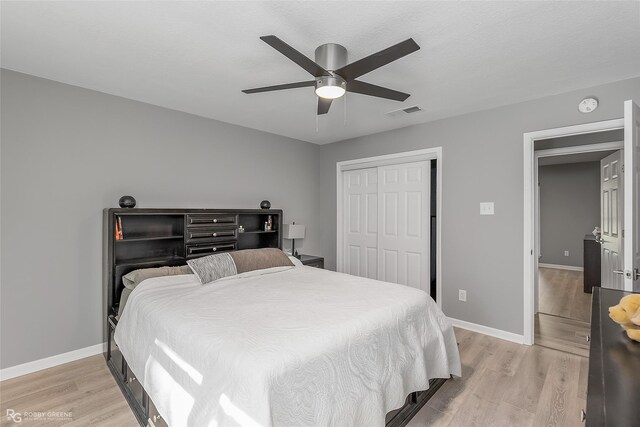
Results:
<point x="293" y="231"/>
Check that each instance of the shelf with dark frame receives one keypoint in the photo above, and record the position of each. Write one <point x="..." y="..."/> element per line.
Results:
<point x="155" y="237"/>
<point x="146" y="239"/>
<point x="150" y="260"/>
<point x="257" y="232"/>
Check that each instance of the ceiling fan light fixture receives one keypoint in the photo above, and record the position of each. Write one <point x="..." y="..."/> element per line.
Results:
<point x="330" y="87"/>
<point x="333" y="76"/>
<point x="330" y="92"/>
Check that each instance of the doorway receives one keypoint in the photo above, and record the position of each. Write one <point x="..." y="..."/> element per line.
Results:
<point x="375" y="237"/>
<point x="576" y="193"/>
<point x="630" y="124"/>
<point x="547" y="140"/>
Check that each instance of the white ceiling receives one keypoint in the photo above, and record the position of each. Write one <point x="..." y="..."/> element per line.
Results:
<point x="197" y="56"/>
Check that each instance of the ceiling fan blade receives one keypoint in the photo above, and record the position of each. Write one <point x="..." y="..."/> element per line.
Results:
<point x="297" y="57"/>
<point x="363" y="66"/>
<point x="323" y="105"/>
<point x="280" y="87"/>
<point x="363" y="88"/>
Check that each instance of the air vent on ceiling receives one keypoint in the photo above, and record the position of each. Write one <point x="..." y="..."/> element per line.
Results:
<point x="403" y="111"/>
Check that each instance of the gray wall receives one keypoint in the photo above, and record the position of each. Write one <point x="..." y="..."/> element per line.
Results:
<point x="68" y="152"/>
<point x="483" y="161"/>
<point x="569" y="209"/>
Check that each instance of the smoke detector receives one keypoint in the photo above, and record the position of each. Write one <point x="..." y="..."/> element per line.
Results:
<point x="587" y="105"/>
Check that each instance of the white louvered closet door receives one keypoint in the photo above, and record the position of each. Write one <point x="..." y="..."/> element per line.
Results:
<point x="404" y="224"/>
<point x="386" y="223"/>
<point x="361" y="222"/>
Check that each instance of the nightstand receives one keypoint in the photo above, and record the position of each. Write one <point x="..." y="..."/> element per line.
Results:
<point x="312" y="260"/>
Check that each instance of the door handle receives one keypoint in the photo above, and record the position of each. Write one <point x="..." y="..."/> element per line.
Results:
<point x="618" y="271"/>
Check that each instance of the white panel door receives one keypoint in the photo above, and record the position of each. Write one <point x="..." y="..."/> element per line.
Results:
<point x="360" y="253"/>
<point x="611" y="220"/>
<point x="404" y="224"/>
<point x="632" y="196"/>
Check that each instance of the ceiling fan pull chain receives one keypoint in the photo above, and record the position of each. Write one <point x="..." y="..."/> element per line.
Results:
<point x="317" y="122"/>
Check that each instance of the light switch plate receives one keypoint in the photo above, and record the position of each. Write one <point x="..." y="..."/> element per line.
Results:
<point x="486" y="208"/>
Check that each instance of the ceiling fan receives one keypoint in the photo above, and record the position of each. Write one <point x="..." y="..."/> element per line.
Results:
<point x="333" y="77"/>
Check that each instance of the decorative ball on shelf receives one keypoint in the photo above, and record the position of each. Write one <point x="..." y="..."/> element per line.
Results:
<point x="265" y="204"/>
<point x="127" y="202"/>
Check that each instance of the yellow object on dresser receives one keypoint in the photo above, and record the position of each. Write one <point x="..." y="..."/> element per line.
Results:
<point x="627" y="315"/>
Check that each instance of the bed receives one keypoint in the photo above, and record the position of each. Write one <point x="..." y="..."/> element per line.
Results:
<point x="279" y="347"/>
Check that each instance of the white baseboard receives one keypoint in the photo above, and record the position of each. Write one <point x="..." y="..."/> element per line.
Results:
<point x="50" y="362"/>
<point x="486" y="330"/>
<point x="561" y="267"/>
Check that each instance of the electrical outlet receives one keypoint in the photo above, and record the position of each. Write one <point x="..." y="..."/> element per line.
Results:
<point x="566" y="253"/>
<point x="462" y="295"/>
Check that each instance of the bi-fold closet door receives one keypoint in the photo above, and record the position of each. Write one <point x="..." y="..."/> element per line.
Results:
<point x="387" y="223"/>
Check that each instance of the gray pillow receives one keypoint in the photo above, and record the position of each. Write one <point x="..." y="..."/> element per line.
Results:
<point x="135" y="277"/>
<point x="213" y="267"/>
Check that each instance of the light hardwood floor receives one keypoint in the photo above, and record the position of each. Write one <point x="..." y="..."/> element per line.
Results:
<point x="560" y="293"/>
<point x="564" y="311"/>
<point x="503" y="384"/>
<point x="562" y="334"/>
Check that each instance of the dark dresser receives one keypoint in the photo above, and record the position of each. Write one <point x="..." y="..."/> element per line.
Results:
<point x="613" y="395"/>
<point x="591" y="262"/>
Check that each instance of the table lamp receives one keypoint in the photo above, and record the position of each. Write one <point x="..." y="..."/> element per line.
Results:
<point x="293" y="231"/>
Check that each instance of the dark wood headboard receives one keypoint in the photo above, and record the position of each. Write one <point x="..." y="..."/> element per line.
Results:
<point x="169" y="237"/>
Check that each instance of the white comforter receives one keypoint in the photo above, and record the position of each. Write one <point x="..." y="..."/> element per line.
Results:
<point x="299" y="347"/>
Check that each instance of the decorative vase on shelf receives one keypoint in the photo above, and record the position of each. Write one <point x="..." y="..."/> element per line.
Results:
<point x="265" y="204"/>
<point x="127" y="202"/>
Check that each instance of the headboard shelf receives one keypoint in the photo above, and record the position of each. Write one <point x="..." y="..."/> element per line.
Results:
<point x="169" y="237"/>
<point x="146" y="239"/>
<point x="151" y="260"/>
<point x="258" y="232"/>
